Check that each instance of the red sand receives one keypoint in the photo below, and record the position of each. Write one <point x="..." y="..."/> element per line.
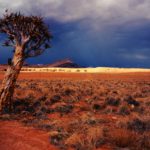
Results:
<point x="82" y="76"/>
<point x="15" y="136"/>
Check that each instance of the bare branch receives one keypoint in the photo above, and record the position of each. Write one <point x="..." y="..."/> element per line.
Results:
<point x="29" y="32"/>
<point x="34" y="53"/>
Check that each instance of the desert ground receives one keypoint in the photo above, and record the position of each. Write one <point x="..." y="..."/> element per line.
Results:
<point x="78" y="111"/>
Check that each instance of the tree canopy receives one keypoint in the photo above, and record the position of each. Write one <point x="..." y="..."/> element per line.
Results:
<point x="28" y="32"/>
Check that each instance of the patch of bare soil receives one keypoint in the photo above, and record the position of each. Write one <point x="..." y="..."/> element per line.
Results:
<point x="15" y="136"/>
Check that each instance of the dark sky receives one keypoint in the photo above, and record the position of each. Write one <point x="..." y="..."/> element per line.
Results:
<point x="91" y="32"/>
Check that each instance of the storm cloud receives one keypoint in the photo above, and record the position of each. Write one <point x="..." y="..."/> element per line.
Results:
<point x="92" y="32"/>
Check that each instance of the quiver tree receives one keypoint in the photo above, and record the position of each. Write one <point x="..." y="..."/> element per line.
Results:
<point x="29" y="37"/>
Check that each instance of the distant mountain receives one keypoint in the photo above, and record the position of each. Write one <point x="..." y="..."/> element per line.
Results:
<point x="65" y="63"/>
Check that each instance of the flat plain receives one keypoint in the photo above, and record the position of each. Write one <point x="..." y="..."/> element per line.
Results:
<point x="78" y="111"/>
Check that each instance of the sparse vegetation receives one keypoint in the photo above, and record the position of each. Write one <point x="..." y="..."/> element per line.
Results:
<point x="86" y="114"/>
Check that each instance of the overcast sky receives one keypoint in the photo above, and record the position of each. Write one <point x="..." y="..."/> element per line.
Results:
<point x="91" y="32"/>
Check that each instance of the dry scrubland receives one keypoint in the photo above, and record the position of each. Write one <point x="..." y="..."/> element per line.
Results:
<point x="83" y="111"/>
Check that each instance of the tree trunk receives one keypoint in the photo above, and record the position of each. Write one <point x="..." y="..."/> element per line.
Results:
<point x="8" y="84"/>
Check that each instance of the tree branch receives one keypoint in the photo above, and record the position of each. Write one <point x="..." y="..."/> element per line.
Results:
<point x="34" y="53"/>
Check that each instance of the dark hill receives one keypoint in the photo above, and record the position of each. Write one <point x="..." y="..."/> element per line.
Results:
<point x="66" y="63"/>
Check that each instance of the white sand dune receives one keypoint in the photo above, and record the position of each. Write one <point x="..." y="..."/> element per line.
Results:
<point x="87" y="70"/>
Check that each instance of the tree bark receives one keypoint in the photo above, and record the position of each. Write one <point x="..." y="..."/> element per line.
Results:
<point x="8" y="84"/>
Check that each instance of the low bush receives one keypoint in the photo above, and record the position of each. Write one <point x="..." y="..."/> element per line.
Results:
<point x="139" y="125"/>
<point x="112" y="101"/>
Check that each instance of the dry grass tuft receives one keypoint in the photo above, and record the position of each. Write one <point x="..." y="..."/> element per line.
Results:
<point x="90" y="139"/>
<point x="124" y="138"/>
